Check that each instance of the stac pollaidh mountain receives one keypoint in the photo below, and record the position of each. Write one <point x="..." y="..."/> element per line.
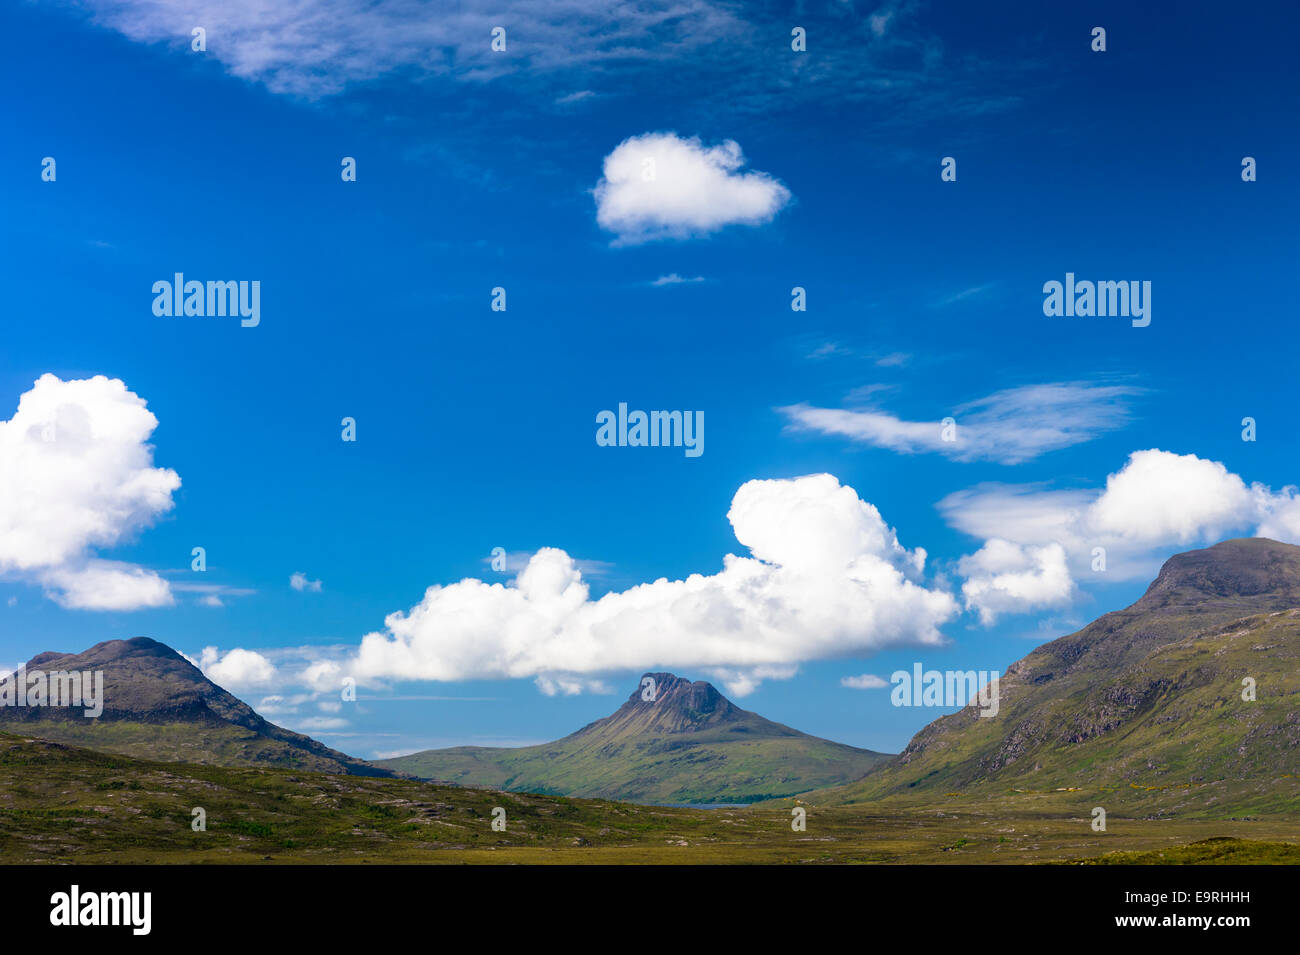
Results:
<point x="690" y="744"/>
<point x="158" y="705"/>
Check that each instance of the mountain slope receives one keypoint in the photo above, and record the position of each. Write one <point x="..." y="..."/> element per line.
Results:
<point x="1149" y="696"/>
<point x="157" y="705"/>
<point x="689" y="745"/>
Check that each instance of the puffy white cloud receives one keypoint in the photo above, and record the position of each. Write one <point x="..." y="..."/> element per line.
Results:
<point x="238" y="670"/>
<point x="107" y="585"/>
<point x="1038" y="537"/>
<point x="1005" y="577"/>
<point x="661" y="186"/>
<point x="1173" y="498"/>
<point x="1009" y="426"/>
<point x="815" y="524"/>
<point x="76" y="474"/>
<point x="827" y="577"/>
<point x="323" y="676"/>
<point x="1157" y="500"/>
<point x="1279" y="513"/>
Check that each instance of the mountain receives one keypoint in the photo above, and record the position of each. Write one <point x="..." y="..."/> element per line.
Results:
<point x="690" y="744"/>
<point x="158" y="705"/>
<point x="1145" y="698"/>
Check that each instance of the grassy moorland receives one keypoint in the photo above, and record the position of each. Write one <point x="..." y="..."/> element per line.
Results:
<point x="61" y="804"/>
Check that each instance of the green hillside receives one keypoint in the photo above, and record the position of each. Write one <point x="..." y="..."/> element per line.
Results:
<point x="1145" y="698"/>
<point x="689" y="745"/>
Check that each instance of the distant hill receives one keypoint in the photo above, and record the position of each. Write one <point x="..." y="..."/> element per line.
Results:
<point x="689" y="745"/>
<point x="1147" y="697"/>
<point x="158" y="705"/>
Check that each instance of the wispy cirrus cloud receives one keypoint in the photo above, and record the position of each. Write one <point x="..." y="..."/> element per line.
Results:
<point x="1010" y="426"/>
<point x="514" y="562"/>
<point x="573" y="51"/>
<point x="974" y="291"/>
<point x="866" y="681"/>
<point x="578" y="96"/>
<point x="896" y="359"/>
<point x="674" y="279"/>
<point x="211" y="595"/>
<point x="839" y="349"/>
<point x="316" y="48"/>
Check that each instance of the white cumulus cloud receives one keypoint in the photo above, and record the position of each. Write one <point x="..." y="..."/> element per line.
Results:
<point x="662" y="186"/>
<point x="826" y="577"/>
<point x="1041" y="541"/>
<point x="1005" y="577"/>
<point x="107" y="585"/>
<point x="1181" y="499"/>
<point x="237" y="670"/>
<point x="76" y="475"/>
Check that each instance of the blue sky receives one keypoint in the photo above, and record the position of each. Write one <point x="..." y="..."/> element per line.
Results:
<point x="475" y="428"/>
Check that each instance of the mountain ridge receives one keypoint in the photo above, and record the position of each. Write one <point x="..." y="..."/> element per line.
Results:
<point x="687" y="745"/>
<point x="1147" y="696"/>
<point x="157" y="704"/>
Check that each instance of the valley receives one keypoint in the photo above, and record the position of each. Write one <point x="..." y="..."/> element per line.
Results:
<point x="61" y="804"/>
<point x="1164" y="732"/>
